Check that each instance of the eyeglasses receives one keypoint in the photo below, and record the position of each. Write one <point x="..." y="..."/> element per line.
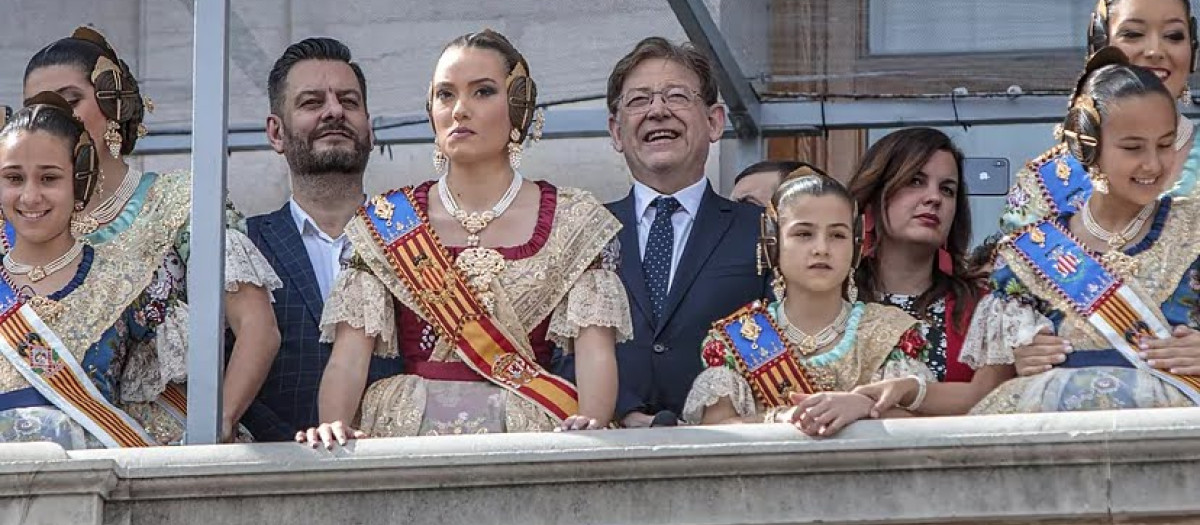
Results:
<point x="637" y="101"/>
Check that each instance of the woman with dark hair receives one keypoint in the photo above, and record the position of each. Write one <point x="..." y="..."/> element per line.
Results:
<point x="69" y="324"/>
<point x="918" y="227"/>
<point x="472" y="278"/>
<point x="795" y="360"/>
<point x="144" y="217"/>
<point x="1116" y="280"/>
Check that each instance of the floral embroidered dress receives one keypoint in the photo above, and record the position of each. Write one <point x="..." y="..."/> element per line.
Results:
<point x="880" y="342"/>
<point x="563" y="279"/>
<point x="945" y="343"/>
<point x="151" y="234"/>
<point x="101" y="320"/>
<point x="1022" y="304"/>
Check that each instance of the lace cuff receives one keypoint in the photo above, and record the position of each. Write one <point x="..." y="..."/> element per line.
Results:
<point x="155" y="362"/>
<point x="361" y="300"/>
<point x="244" y="264"/>
<point x="713" y="384"/>
<point x="997" y="326"/>
<point x="597" y="299"/>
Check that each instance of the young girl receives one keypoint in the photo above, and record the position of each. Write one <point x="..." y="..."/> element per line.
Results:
<point x="1117" y="280"/>
<point x="794" y="360"/>
<point x="70" y="318"/>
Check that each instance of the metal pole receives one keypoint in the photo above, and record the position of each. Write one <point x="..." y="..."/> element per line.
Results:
<point x="206" y="265"/>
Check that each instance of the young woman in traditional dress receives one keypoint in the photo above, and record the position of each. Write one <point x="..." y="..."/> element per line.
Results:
<point x="70" y="319"/>
<point x="145" y="216"/>
<point x="1117" y="280"/>
<point x="1155" y="34"/>
<point x="471" y="278"/>
<point x="796" y="359"/>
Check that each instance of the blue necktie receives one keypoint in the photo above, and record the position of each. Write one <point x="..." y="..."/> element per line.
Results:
<point x="656" y="264"/>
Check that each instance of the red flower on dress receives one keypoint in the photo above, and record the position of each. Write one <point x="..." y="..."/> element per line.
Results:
<point x="714" y="353"/>
<point x="912" y="343"/>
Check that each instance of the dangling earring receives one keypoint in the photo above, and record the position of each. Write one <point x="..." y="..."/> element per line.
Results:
<point x="112" y="137"/>
<point x="1099" y="180"/>
<point x="778" y="285"/>
<point x="851" y="289"/>
<point x="514" y="155"/>
<point x="441" y="164"/>
<point x="539" y="125"/>
<point x="1186" y="97"/>
<point x="82" y="223"/>
<point x="758" y="258"/>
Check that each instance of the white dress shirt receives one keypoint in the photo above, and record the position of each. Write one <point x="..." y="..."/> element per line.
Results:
<point x="689" y="199"/>
<point x="325" y="252"/>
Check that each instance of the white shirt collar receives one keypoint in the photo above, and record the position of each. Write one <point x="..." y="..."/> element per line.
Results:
<point x="689" y="198"/>
<point x="304" y="221"/>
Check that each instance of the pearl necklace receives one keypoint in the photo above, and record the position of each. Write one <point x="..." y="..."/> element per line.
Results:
<point x="37" y="273"/>
<point x="112" y="206"/>
<point x="475" y="222"/>
<point x="808" y="344"/>
<point x="1115" y="240"/>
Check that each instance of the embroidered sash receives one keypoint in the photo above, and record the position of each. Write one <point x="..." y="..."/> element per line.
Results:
<point x="764" y="357"/>
<point x="447" y="301"/>
<point x="45" y="362"/>
<point x="1097" y="294"/>
<point x="1063" y="181"/>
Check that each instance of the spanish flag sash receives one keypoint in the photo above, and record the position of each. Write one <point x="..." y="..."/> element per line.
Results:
<point x="416" y="256"/>
<point x="173" y="400"/>
<point x="45" y="362"/>
<point x="763" y="356"/>
<point x="1097" y="294"/>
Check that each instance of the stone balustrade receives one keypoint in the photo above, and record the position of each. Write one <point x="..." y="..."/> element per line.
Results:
<point x="1099" y="467"/>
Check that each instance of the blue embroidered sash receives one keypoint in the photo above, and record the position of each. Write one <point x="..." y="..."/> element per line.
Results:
<point x="50" y="368"/>
<point x="1064" y="183"/>
<point x="1096" y="293"/>
<point x="764" y="357"/>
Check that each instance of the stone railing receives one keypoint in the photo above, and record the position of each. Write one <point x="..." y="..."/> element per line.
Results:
<point x="1099" y="467"/>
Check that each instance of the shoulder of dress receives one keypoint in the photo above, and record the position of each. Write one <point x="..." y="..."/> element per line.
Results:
<point x="1058" y="151"/>
<point x="575" y="196"/>
<point x="877" y="316"/>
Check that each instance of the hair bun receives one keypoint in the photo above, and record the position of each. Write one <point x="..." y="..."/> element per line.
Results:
<point x="50" y="98"/>
<point x="91" y="35"/>
<point x="1106" y="56"/>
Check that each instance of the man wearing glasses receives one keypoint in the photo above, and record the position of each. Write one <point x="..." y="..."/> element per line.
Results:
<point x="687" y="253"/>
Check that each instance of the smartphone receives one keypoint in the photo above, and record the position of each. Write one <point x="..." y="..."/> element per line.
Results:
<point x="986" y="175"/>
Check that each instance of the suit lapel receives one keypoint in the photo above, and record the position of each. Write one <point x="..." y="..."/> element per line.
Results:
<point x="279" y="231"/>
<point x="631" y="261"/>
<point x="712" y="221"/>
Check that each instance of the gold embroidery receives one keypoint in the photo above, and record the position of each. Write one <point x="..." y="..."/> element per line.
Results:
<point x="383" y="208"/>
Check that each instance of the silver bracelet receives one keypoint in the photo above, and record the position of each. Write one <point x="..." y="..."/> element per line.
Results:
<point x="922" y="389"/>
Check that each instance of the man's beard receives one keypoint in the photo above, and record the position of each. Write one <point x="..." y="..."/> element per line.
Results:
<point x="304" y="161"/>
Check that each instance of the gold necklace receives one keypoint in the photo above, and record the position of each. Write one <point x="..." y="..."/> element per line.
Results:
<point x="808" y="344"/>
